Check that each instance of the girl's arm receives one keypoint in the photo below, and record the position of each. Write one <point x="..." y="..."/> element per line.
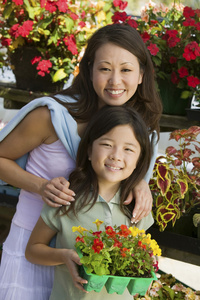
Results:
<point x="38" y="252"/>
<point x="36" y="128"/>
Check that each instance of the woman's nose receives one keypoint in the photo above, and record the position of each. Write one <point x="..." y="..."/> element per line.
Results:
<point x="115" y="78"/>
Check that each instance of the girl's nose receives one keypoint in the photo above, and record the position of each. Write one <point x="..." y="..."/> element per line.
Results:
<point x="115" y="155"/>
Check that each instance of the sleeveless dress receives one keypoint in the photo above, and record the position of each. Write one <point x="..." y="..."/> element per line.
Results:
<point x="19" y="279"/>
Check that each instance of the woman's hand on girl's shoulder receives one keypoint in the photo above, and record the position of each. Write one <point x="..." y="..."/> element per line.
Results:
<point x="56" y="192"/>
<point x="143" y="201"/>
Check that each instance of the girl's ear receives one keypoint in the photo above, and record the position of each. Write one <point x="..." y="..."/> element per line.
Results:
<point x="91" y="71"/>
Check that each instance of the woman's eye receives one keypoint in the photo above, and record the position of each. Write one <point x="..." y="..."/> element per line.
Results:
<point x="105" y="69"/>
<point x="107" y="145"/>
<point x="126" y="70"/>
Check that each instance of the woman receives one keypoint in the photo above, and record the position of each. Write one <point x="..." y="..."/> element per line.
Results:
<point x="116" y="69"/>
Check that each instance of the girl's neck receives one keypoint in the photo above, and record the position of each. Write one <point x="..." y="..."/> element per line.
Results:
<point x="108" y="192"/>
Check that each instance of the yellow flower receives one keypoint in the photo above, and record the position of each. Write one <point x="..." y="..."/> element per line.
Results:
<point x="98" y="223"/>
<point x="155" y="248"/>
<point x="79" y="229"/>
<point x="100" y="5"/>
<point x="101" y="16"/>
<point x="135" y="231"/>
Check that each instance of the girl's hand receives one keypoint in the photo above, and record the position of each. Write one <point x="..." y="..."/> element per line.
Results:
<point x="143" y="201"/>
<point x="71" y="259"/>
<point x="56" y="192"/>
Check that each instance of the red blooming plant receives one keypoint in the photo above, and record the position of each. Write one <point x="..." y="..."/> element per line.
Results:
<point x="175" y="183"/>
<point x="58" y="29"/>
<point x="172" y="36"/>
<point x="119" y="251"/>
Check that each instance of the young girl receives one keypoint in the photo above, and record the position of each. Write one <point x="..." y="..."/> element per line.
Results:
<point x="113" y="156"/>
<point x="116" y="69"/>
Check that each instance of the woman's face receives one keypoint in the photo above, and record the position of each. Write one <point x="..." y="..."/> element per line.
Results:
<point x="115" y="75"/>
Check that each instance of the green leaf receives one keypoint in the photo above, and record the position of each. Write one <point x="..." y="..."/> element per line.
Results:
<point x="7" y="11"/>
<point x="59" y="75"/>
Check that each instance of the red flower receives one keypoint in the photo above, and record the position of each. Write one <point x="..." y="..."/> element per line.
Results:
<point x="97" y="233"/>
<point x="49" y="5"/>
<point x="123" y="251"/>
<point x="82" y="24"/>
<point x="43" y="67"/>
<point x="153" y="22"/>
<point x="97" y="246"/>
<point x="62" y="5"/>
<point x="110" y="231"/>
<point x="153" y="49"/>
<point x="132" y="23"/>
<point x="18" y="2"/>
<point x="25" y="29"/>
<point x="174" y="78"/>
<point x="35" y="59"/>
<point x="119" y="16"/>
<point x="188" y="12"/>
<point x="171" y="33"/>
<point x="80" y="239"/>
<point x="14" y="30"/>
<point x="191" y="51"/>
<point x="189" y="22"/>
<point x="122" y="4"/>
<point x="183" y="71"/>
<point x="73" y="16"/>
<point x="193" y="81"/>
<point x="5" y="41"/>
<point x="124" y="231"/>
<point x="198" y="26"/>
<point x="70" y="42"/>
<point x="145" y="36"/>
<point x="172" y="41"/>
<point x="117" y="244"/>
<point x="172" y="60"/>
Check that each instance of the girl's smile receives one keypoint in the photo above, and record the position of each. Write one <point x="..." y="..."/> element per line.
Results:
<point x="114" y="156"/>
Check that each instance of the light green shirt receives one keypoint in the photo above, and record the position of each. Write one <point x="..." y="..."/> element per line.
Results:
<point x="110" y="214"/>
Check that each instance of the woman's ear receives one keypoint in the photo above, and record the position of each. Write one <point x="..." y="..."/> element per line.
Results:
<point x="91" y="71"/>
<point x="89" y="153"/>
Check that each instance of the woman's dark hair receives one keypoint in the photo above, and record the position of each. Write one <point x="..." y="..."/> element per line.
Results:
<point x="83" y="177"/>
<point x="145" y="100"/>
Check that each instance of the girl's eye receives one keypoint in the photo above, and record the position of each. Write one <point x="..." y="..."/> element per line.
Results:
<point x="107" y="145"/>
<point x="128" y="149"/>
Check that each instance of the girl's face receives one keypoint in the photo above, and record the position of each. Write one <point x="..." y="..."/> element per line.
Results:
<point x="115" y="75"/>
<point x="114" y="156"/>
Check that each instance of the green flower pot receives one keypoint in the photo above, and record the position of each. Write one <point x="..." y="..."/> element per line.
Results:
<point x="140" y="285"/>
<point x="115" y="284"/>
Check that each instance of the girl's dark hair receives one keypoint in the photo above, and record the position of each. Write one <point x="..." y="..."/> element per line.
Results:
<point x="83" y="180"/>
<point x="145" y="100"/>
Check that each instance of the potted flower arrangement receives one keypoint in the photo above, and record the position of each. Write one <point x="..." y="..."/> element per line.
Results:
<point x="117" y="257"/>
<point x="172" y="36"/>
<point x="167" y="287"/>
<point x="175" y="184"/>
<point x="55" y="33"/>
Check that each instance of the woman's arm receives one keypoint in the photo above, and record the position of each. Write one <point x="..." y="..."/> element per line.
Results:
<point x="38" y="252"/>
<point x="142" y="193"/>
<point x="36" y="128"/>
